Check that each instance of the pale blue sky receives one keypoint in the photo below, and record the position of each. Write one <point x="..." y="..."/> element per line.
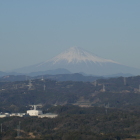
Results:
<point x="32" y="31"/>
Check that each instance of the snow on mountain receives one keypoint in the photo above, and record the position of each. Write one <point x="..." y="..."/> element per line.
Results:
<point x="76" y="55"/>
<point x="77" y="60"/>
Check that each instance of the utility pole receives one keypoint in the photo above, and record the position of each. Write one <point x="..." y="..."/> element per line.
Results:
<point x="106" y="107"/>
<point x="103" y="88"/>
<point x="18" y="129"/>
<point x="124" y="80"/>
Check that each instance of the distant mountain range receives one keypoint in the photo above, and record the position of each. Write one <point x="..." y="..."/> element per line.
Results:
<point x="77" y="60"/>
<point x="58" y="77"/>
<point x="8" y="73"/>
<point x="50" y="72"/>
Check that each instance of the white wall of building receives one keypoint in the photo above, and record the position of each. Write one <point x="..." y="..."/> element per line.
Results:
<point x="34" y="112"/>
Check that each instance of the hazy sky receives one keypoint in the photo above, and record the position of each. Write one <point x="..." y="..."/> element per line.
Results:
<point x="32" y="31"/>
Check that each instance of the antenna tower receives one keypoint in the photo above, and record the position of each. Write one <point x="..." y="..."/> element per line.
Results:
<point x="103" y="88"/>
<point x="106" y="107"/>
<point x="124" y="80"/>
<point x="35" y="106"/>
<point x="18" y="129"/>
<point x="30" y="84"/>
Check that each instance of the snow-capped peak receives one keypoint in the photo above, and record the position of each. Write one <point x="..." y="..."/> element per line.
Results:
<point x="78" y="60"/>
<point x="76" y="55"/>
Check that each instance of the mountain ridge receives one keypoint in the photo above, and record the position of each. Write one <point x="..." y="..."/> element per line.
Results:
<point x="77" y="60"/>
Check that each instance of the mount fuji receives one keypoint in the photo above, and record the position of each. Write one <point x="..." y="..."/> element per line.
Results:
<point x="77" y="60"/>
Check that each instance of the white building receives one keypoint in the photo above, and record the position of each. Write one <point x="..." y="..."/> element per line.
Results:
<point x="3" y="115"/>
<point x="48" y="115"/>
<point x="34" y="112"/>
<point x="18" y="114"/>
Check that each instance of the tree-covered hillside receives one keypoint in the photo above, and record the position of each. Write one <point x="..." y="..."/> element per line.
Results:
<point x="115" y="92"/>
<point x="107" y="109"/>
<point x="75" y="123"/>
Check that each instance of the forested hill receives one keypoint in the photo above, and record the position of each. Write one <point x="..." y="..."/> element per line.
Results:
<point x="106" y="109"/>
<point x="75" y="123"/>
<point x="114" y="92"/>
